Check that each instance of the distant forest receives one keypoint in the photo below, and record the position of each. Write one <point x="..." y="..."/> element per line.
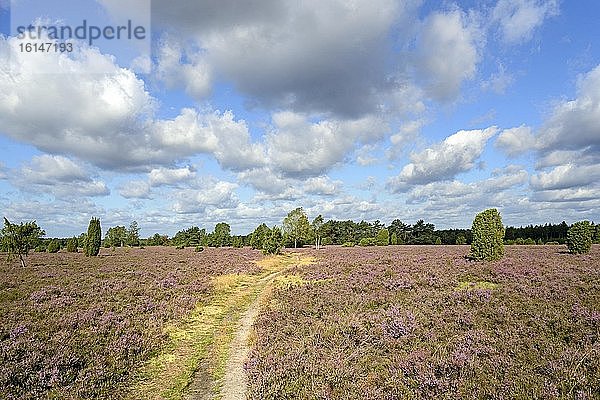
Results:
<point x="330" y="232"/>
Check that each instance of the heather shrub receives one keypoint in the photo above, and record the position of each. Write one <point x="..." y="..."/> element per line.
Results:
<point x="72" y="245"/>
<point x="53" y="246"/>
<point x="488" y="236"/>
<point x="93" y="238"/>
<point x="579" y="238"/>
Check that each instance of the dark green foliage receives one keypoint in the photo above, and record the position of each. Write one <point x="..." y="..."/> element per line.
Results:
<point x="438" y="240"/>
<point x="382" y="238"/>
<point x="199" y="249"/>
<point x="72" y="245"/>
<point x="259" y="236"/>
<point x="221" y="237"/>
<point x="17" y="240"/>
<point x="326" y="241"/>
<point x="367" y="242"/>
<point x="115" y="237"/>
<point x="394" y="239"/>
<point x="180" y="247"/>
<point x="529" y="241"/>
<point x="157" y="240"/>
<point x="274" y="242"/>
<point x="192" y="236"/>
<point x="579" y="238"/>
<point x="53" y="246"/>
<point x="460" y="239"/>
<point x="93" y="238"/>
<point x="488" y="236"/>
<point x="237" y="242"/>
<point x="133" y="234"/>
<point x="540" y="242"/>
<point x="348" y="244"/>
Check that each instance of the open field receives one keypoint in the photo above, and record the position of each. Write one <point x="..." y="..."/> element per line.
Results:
<point x="77" y="327"/>
<point x="423" y="323"/>
<point x="340" y="323"/>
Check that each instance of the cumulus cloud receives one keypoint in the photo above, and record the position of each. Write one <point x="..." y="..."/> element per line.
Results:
<point x="449" y="53"/>
<point x="457" y="153"/>
<point x="566" y="177"/>
<point x="575" y="124"/>
<point x="516" y="141"/>
<point x="219" y="195"/>
<point x="59" y="176"/>
<point x="136" y="190"/>
<point x="298" y="147"/>
<point x="166" y="176"/>
<point x="517" y="19"/>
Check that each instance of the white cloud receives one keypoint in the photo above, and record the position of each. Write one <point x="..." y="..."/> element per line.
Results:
<point x="217" y="195"/>
<point x="322" y="185"/>
<point x="575" y="124"/>
<point x="518" y="19"/>
<point x="516" y="141"/>
<point x="298" y="147"/>
<point x="566" y="177"/>
<point x="59" y="176"/>
<point x="449" y="53"/>
<point x="135" y="190"/>
<point x="443" y="161"/>
<point x="498" y="81"/>
<point x="166" y="176"/>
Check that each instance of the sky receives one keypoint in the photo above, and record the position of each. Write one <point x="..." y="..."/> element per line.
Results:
<point x="241" y="111"/>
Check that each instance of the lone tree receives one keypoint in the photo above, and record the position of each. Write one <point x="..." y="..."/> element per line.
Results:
<point x="488" y="236"/>
<point x="317" y="229"/>
<point x="579" y="238"/>
<point x="93" y="238"/>
<point x="19" y="239"/>
<point x="296" y="226"/>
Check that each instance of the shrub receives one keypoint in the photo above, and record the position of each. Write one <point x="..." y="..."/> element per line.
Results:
<point x="488" y="236"/>
<point x="273" y="242"/>
<point x="509" y="242"/>
<point x="579" y="238"/>
<point x="367" y="242"/>
<point x="72" y="245"/>
<point x="438" y="241"/>
<point x="540" y="242"/>
<point x="529" y="241"/>
<point x="180" y="247"/>
<point x="348" y="244"/>
<point x="199" y="249"/>
<point x="394" y="239"/>
<point x="93" y="238"/>
<point x="520" y="241"/>
<point x="461" y="240"/>
<point x="383" y="238"/>
<point x="553" y="243"/>
<point x="53" y="246"/>
<point x="326" y="241"/>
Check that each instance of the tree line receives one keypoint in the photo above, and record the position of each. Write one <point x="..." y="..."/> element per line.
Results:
<point x="296" y="230"/>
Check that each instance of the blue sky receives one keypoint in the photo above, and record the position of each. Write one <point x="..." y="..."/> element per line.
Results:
<point x="243" y="111"/>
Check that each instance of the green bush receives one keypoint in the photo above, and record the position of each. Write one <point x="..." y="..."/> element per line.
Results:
<point x="553" y="243"/>
<point x="438" y="241"/>
<point x="53" y="246"/>
<point x="579" y="238"/>
<point x="348" y="244"/>
<point x="93" y="238"/>
<point x="367" y="242"/>
<point x="520" y="241"/>
<point x="488" y="236"/>
<point x="509" y="242"/>
<point x="540" y="242"/>
<point x="326" y="241"/>
<point x="198" y="249"/>
<point x="72" y="245"/>
<point x="180" y="247"/>
<point x="529" y="241"/>
<point x="460" y="239"/>
<point x="394" y="239"/>
<point x="383" y="238"/>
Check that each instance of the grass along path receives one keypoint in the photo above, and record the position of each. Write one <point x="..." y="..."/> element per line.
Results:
<point x="208" y="348"/>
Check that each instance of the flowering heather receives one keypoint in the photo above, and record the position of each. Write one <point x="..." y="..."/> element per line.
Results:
<point x="76" y="327"/>
<point x="405" y="322"/>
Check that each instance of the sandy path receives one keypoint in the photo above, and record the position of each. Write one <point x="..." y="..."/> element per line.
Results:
<point x="235" y="381"/>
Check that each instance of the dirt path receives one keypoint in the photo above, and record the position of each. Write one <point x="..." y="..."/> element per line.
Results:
<point x="235" y="381"/>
